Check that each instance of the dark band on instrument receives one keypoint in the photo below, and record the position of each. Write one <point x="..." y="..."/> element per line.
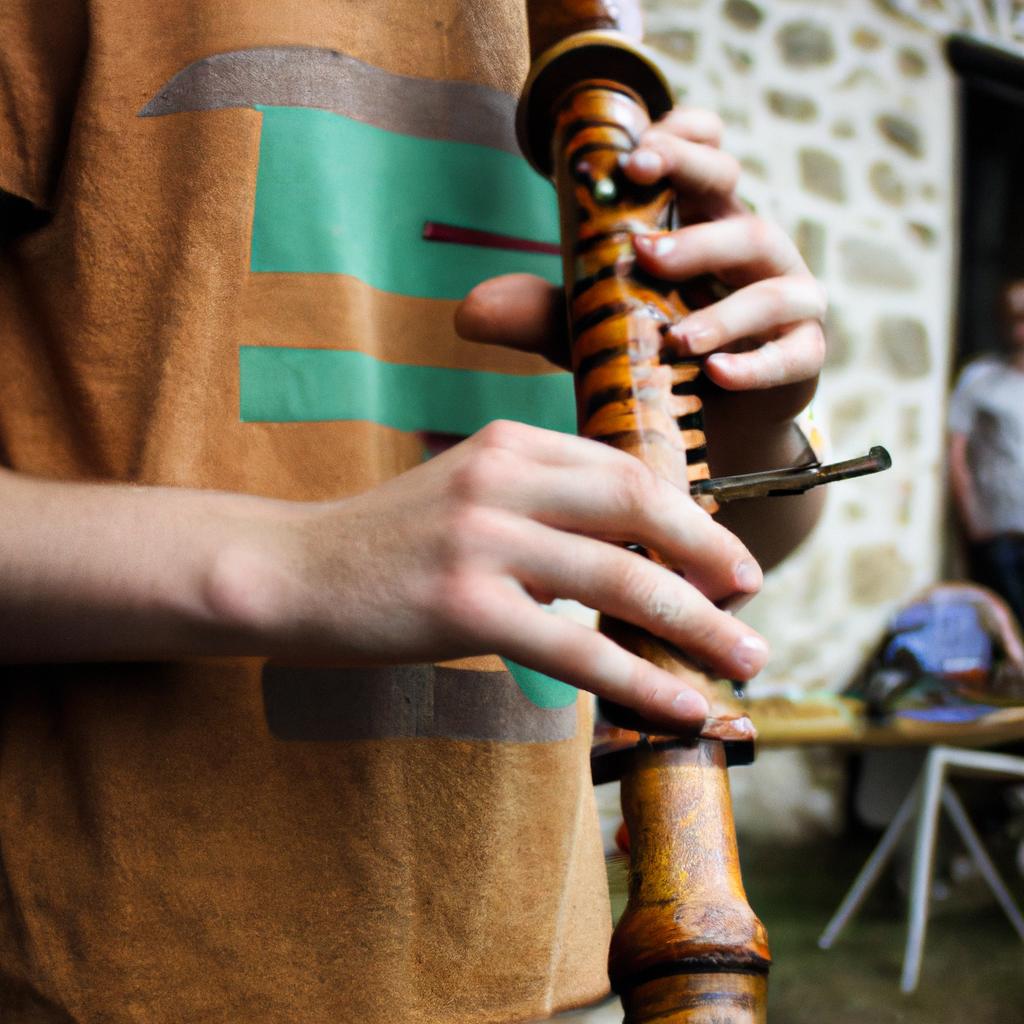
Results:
<point x="597" y="401"/>
<point x="601" y="358"/>
<point x="585" y="283"/>
<point x="685" y="387"/>
<point x="602" y="84"/>
<point x="602" y="313"/>
<point x="584" y="245"/>
<point x="696" y="456"/>
<point x="728" y="964"/>
<point x="626" y="145"/>
<point x="691" y="421"/>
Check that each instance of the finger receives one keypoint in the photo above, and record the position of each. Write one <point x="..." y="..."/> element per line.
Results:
<point x="795" y="357"/>
<point x="585" y="658"/>
<point x="740" y="249"/>
<point x="764" y="307"/>
<point x="505" y="451"/>
<point x="630" y="587"/>
<point x="629" y="503"/>
<point x="691" y="167"/>
<point x="693" y="124"/>
<point x="520" y="311"/>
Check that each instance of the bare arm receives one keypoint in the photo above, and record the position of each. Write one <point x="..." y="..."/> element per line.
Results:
<point x="104" y="571"/>
<point x="451" y="558"/>
<point x="447" y="560"/>
<point x="771" y="527"/>
<point x="965" y="497"/>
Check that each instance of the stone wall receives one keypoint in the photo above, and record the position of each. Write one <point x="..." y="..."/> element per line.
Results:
<point x="842" y="116"/>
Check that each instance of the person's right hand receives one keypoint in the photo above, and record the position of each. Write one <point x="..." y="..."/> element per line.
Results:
<point x="456" y="556"/>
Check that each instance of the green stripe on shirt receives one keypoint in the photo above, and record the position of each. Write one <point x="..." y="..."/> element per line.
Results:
<point x="338" y="196"/>
<point x="542" y="690"/>
<point x="294" y="385"/>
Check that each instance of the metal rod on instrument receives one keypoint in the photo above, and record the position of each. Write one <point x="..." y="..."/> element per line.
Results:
<point x="792" y="480"/>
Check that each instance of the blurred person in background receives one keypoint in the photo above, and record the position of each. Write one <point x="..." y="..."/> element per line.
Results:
<point x="986" y="458"/>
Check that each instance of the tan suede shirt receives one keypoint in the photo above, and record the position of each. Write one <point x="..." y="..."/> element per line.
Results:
<point x="235" y="289"/>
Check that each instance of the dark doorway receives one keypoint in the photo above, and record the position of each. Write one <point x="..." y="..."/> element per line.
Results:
<point x="991" y="189"/>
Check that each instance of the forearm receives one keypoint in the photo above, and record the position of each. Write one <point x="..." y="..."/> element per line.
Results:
<point x="442" y="562"/>
<point x="961" y="483"/>
<point x="770" y="527"/>
<point x="102" y="571"/>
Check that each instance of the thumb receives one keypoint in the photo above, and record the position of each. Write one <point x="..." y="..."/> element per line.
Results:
<point x="520" y="311"/>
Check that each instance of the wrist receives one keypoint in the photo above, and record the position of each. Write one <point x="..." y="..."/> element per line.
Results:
<point x="772" y="445"/>
<point x="255" y="588"/>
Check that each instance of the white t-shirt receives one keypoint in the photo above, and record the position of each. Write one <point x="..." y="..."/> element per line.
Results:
<point x="987" y="406"/>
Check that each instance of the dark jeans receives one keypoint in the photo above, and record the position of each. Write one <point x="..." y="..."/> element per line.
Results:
<point x="999" y="565"/>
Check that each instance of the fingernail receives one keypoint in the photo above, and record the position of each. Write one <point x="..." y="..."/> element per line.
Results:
<point x="648" y="161"/>
<point x="750" y="654"/>
<point x="654" y="244"/>
<point x="689" y="703"/>
<point x="693" y="333"/>
<point x="748" y="575"/>
<point x="491" y="289"/>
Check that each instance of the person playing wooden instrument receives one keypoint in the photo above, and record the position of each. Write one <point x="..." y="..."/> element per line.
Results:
<point x="261" y="759"/>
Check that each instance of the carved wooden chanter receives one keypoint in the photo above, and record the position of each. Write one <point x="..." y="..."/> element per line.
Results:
<point x="688" y="947"/>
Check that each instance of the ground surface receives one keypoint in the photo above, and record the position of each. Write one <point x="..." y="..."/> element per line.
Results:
<point x="973" y="964"/>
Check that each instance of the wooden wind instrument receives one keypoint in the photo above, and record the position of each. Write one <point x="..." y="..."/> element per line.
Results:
<point x="688" y="948"/>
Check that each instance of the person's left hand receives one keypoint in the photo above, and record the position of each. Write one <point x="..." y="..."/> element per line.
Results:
<point x="763" y="343"/>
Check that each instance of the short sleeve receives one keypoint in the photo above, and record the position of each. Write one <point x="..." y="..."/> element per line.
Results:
<point x="42" y="50"/>
<point x="960" y="416"/>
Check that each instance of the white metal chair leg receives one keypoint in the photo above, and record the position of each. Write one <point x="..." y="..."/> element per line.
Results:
<point x="921" y="875"/>
<point x="869" y="874"/>
<point x="981" y="858"/>
<point x="930" y="792"/>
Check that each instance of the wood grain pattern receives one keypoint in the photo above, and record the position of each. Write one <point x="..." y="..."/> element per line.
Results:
<point x="631" y="391"/>
<point x="688" y="947"/>
<point x="689" y="950"/>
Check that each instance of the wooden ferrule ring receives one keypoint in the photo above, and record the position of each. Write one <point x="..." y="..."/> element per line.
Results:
<point x="688" y="943"/>
<point x="596" y="54"/>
